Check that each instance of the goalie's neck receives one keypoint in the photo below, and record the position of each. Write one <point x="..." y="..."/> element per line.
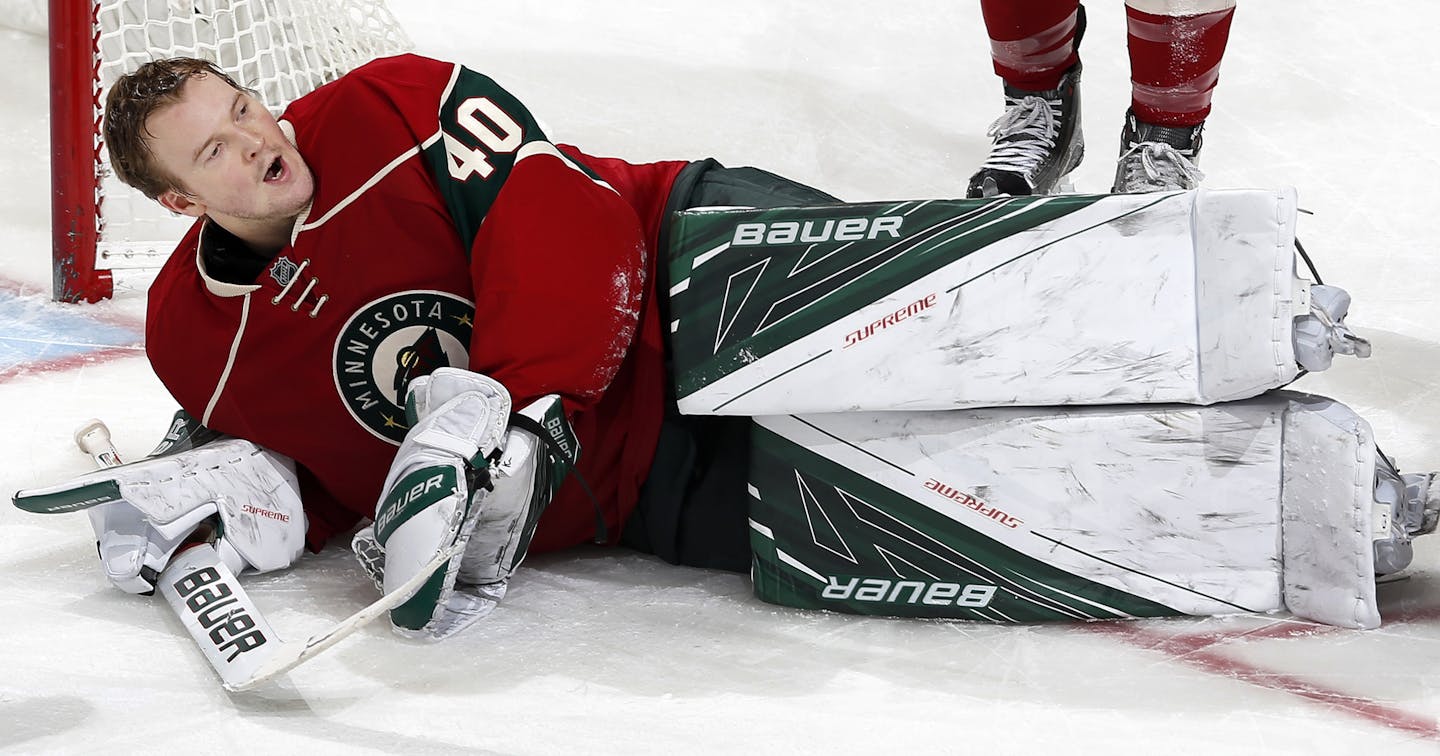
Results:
<point x="228" y="258"/>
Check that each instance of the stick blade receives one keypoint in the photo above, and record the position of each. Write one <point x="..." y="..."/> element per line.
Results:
<point x="291" y="655"/>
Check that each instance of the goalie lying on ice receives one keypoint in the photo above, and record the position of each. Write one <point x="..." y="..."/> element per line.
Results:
<point x="329" y="269"/>
<point x="1276" y="503"/>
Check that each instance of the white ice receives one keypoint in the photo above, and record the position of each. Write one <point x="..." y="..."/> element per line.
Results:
<point x="601" y="651"/>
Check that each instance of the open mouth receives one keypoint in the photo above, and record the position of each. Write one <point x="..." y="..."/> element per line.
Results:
<point x="275" y="170"/>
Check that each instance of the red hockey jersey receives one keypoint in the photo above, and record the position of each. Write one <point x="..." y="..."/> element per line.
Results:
<point x="445" y="229"/>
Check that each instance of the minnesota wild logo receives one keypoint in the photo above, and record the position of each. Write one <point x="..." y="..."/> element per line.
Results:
<point x="390" y="342"/>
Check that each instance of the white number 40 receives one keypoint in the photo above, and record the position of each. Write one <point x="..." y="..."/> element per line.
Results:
<point x="499" y="133"/>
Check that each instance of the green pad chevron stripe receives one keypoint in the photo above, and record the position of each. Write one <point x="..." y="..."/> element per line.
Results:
<point x="825" y="537"/>
<point x="416" y="492"/>
<point x="747" y="282"/>
<point x="420" y="608"/>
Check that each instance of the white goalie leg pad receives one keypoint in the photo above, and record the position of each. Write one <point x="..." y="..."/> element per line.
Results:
<point x="1188" y="297"/>
<point x="1348" y="514"/>
<point x="148" y="509"/>
<point x="434" y="493"/>
<point x="1084" y="513"/>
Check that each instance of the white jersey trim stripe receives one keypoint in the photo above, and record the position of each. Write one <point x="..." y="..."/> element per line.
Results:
<point x="229" y="361"/>
<point x="372" y="181"/>
<point x="449" y="87"/>
<point x="531" y="149"/>
<point x="382" y="173"/>
<point x="1180" y="7"/>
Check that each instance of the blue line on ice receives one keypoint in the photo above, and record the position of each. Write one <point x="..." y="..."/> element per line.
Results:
<point x="33" y="329"/>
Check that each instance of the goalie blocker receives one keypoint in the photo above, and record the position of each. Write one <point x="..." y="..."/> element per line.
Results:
<point x="471" y="480"/>
<point x="1010" y="515"/>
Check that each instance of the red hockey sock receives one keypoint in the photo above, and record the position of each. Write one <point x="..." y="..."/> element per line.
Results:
<point x="1175" y="64"/>
<point x="1032" y="42"/>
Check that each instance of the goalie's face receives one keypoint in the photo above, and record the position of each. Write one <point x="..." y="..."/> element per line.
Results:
<point x="231" y="162"/>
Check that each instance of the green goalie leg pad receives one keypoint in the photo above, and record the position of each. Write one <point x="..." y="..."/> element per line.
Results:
<point x="826" y="537"/>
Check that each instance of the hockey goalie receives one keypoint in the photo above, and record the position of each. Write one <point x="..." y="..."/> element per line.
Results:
<point x="468" y="342"/>
<point x="1000" y="508"/>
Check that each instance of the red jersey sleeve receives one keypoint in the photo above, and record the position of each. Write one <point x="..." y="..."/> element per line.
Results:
<point x="559" y="270"/>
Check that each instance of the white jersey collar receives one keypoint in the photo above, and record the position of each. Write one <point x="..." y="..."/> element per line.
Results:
<point x="288" y="129"/>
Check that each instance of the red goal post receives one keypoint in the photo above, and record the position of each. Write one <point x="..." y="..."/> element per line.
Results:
<point x="108" y="238"/>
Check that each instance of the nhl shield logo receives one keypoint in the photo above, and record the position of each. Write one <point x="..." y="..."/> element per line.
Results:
<point x="390" y="342"/>
<point x="283" y="270"/>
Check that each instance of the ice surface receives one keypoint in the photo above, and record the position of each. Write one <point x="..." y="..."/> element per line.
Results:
<point x="605" y="652"/>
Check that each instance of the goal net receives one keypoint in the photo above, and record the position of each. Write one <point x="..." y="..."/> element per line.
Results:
<point x="109" y="238"/>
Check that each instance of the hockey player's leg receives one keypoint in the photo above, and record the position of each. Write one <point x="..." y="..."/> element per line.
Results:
<point x="692" y="507"/>
<point x="1038" y="139"/>
<point x="1175" y="51"/>
<point x="1074" y="514"/>
<point x="707" y="183"/>
<point x="1119" y="299"/>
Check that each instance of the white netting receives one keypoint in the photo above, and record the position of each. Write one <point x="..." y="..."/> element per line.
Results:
<point x="281" y="48"/>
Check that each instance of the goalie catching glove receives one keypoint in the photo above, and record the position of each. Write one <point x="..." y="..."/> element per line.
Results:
<point x="466" y="483"/>
<point x="196" y="486"/>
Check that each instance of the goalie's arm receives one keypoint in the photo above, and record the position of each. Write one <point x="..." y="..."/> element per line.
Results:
<point x="541" y="449"/>
<point x="144" y="512"/>
<point x="205" y="595"/>
<point x="465" y="481"/>
<point x="199" y="587"/>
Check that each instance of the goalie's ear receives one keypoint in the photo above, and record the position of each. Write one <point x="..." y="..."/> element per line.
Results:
<point x="178" y="202"/>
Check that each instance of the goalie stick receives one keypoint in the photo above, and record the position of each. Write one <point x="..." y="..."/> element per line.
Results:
<point x="220" y="616"/>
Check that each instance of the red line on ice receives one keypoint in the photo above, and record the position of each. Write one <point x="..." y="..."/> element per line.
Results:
<point x="97" y="312"/>
<point x="1192" y="650"/>
<point x="71" y="362"/>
